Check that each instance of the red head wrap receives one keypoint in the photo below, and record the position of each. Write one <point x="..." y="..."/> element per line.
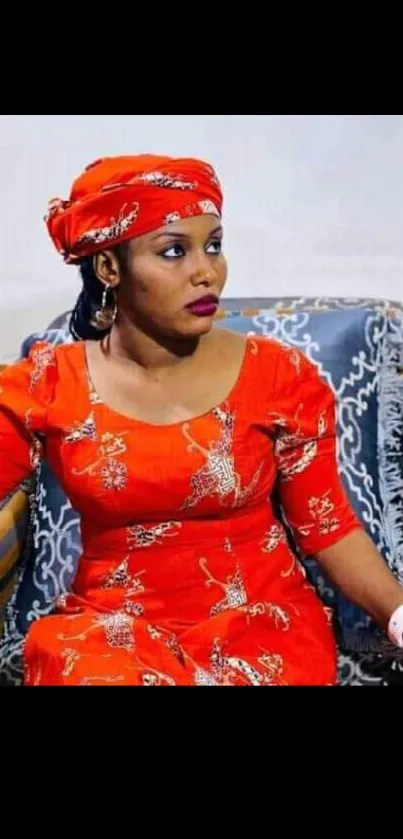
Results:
<point x="120" y="198"/>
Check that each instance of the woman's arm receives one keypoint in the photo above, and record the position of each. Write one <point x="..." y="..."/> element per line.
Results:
<point x="25" y="391"/>
<point x="360" y="572"/>
<point x="313" y="498"/>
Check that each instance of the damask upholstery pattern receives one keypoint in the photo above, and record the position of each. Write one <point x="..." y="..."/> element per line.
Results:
<point x="358" y="348"/>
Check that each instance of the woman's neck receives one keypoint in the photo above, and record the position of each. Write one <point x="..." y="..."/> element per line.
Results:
<point x="127" y="343"/>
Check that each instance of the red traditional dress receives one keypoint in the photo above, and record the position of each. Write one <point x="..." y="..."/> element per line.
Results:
<point x="186" y="576"/>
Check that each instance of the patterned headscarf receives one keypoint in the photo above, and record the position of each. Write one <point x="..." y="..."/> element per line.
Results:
<point x="121" y="198"/>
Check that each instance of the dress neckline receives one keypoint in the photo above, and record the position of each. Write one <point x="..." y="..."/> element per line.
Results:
<point x="94" y="398"/>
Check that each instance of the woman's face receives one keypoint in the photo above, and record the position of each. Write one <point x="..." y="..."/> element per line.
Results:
<point x="173" y="278"/>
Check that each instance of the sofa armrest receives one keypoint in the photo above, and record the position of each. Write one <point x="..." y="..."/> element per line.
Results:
<point x="14" y="516"/>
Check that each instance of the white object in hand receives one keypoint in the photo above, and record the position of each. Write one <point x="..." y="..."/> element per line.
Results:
<point x="395" y="629"/>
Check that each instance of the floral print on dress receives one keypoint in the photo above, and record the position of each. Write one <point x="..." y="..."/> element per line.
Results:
<point x="155" y="679"/>
<point x="295" y="358"/>
<point x="170" y="641"/>
<point x="294" y="452"/>
<point x="234" y="589"/>
<point x="42" y="358"/>
<point x="119" y="630"/>
<point x="218" y="476"/>
<point x="118" y="627"/>
<point x="36" y="447"/>
<point x="233" y="670"/>
<point x="140" y="536"/>
<point x="323" y="520"/>
<point x="122" y="577"/>
<point x="114" y="474"/>
<point x="204" y="679"/>
<point x="280" y="616"/>
<point x="86" y="430"/>
<point x="140" y="595"/>
<point x="275" y="537"/>
<point x="89" y="681"/>
<point x="71" y="658"/>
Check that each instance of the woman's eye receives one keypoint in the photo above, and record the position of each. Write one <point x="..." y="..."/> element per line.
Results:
<point x="178" y="251"/>
<point x="174" y="252"/>
<point x="215" y="247"/>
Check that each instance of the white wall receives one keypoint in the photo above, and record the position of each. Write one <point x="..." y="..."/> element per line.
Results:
<point x="314" y="204"/>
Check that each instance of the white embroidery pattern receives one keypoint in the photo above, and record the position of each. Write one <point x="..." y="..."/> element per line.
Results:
<point x="281" y="618"/>
<point x="172" y="218"/>
<point x="36" y="447"/>
<point x="274" y="666"/>
<point x="218" y="475"/>
<point x="136" y="610"/>
<point x="146" y="537"/>
<point x="95" y="399"/>
<point x="42" y="358"/>
<point x="110" y="680"/>
<point x="275" y="537"/>
<point x="55" y="206"/>
<point x="235" y="593"/>
<point x="71" y="657"/>
<point x="119" y="630"/>
<point x="204" y="679"/>
<point x="122" y="578"/>
<point x="227" y="669"/>
<point x="169" y="639"/>
<point x="116" y="229"/>
<point x="208" y="208"/>
<point x="158" y="179"/>
<point x="320" y="511"/>
<point x="86" y="430"/>
<point x="114" y="474"/>
<point x="295" y="358"/>
<point x="294" y="452"/>
<point x="154" y="678"/>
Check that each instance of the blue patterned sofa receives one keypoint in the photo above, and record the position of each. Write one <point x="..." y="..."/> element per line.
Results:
<point x="358" y="347"/>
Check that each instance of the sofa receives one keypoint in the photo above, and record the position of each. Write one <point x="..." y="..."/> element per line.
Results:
<point x="358" y="348"/>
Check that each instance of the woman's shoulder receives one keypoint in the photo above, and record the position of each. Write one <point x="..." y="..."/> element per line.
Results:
<point x="270" y="362"/>
<point x="267" y="352"/>
<point x="257" y="360"/>
<point x="53" y="355"/>
<point x="274" y="373"/>
<point x="30" y="387"/>
<point x="232" y="339"/>
<point x="41" y="368"/>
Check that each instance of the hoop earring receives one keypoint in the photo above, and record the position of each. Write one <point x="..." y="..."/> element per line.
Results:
<point x="105" y="317"/>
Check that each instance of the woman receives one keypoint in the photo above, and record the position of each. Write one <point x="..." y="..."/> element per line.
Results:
<point x="169" y="438"/>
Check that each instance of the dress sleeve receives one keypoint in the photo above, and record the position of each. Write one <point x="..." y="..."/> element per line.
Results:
<point x="303" y="425"/>
<point x="25" y="392"/>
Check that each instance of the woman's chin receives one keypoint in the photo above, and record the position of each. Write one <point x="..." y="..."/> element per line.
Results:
<point x="198" y="327"/>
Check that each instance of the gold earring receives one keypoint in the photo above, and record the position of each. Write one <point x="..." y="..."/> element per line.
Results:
<point x="105" y="317"/>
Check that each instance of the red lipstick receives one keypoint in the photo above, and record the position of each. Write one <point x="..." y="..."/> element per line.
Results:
<point x="204" y="307"/>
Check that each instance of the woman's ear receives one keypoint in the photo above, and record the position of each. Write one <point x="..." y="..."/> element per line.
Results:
<point x="107" y="268"/>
